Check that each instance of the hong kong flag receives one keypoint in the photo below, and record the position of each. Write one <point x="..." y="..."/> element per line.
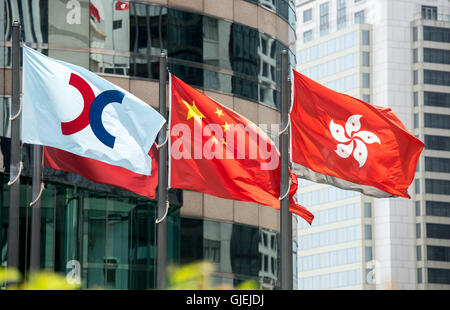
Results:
<point x="343" y="141"/>
<point x="216" y="151"/>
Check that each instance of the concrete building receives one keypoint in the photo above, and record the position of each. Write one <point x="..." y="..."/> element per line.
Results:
<point x="395" y="54"/>
<point x="230" y="50"/>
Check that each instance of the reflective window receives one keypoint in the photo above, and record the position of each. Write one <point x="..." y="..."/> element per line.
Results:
<point x="307" y="36"/>
<point x="417" y="208"/>
<point x="419" y="275"/>
<point x="439" y="276"/>
<point x="367" y="209"/>
<point x="307" y="15"/>
<point x="366" y="80"/>
<point x="324" y="18"/>
<point x="438" y="253"/>
<point x="325" y="195"/>
<point x="341" y="14"/>
<point x="366" y="98"/>
<point x="203" y="51"/>
<point x="436" y="34"/>
<point x="419" y="252"/>
<point x="429" y="12"/>
<point x="437" y="164"/>
<point x="331" y="281"/>
<point x="417" y="186"/>
<point x="110" y="235"/>
<point x="283" y="8"/>
<point x="415" y="34"/>
<point x="365" y="37"/>
<point x="435" y="55"/>
<point x="418" y="231"/>
<point x="344" y="84"/>
<point x="333" y="215"/>
<point x="368" y="232"/>
<point x="330" y="259"/>
<point x="368" y="253"/>
<point x="329" y="47"/>
<point x="416" y="98"/>
<point x="438" y="208"/>
<point x="360" y="17"/>
<point x="415" y="77"/>
<point x="440" y="143"/>
<point x="437" y="99"/>
<point x="416" y="120"/>
<point x="434" y="186"/>
<point x="438" y="231"/>
<point x="366" y="59"/>
<point x="332" y="67"/>
<point x="415" y="55"/>
<point x="242" y="250"/>
<point x="329" y="237"/>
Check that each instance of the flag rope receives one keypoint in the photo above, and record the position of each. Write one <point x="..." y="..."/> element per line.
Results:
<point x="287" y="192"/>
<point x="13" y="118"/>
<point x="157" y="221"/>
<point x="165" y="141"/>
<point x="10" y="183"/>
<point x="38" y="196"/>
<point x="286" y="128"/>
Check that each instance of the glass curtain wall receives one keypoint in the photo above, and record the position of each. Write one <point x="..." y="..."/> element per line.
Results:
<point x="203" y="51"/>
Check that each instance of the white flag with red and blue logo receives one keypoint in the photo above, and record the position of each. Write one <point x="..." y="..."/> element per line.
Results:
<point x="70" y="108"/>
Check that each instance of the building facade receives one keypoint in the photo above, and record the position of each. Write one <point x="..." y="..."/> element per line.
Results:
<point x="398" y="58"/>
<point x="230" y="50"/>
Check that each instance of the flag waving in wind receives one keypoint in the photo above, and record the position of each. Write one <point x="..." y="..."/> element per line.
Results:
<point x="216" y="151"/>
<point x="343" y="141"/>
<point x="72" y="109"/>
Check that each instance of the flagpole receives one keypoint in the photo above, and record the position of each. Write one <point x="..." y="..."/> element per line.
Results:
<point x="161" y="256"/>
<point x="16" y="163"/>
<point x="286" y="275"/>
<point x="37" y="188"/>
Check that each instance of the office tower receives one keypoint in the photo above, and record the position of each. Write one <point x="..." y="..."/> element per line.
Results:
<point x="393" y="54"/>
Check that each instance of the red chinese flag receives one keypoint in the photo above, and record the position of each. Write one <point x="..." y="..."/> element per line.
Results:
<point x="216" y="151"/>
<point x="100" y="172"/>
<point x="343" y="141"/>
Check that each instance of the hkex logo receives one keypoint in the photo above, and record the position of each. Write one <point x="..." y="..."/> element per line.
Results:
<point x="92" y="111"/>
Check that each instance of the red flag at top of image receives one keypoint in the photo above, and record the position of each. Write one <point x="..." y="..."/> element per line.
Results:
<point x="343" y="141"/>
<point x="122" y="6"/>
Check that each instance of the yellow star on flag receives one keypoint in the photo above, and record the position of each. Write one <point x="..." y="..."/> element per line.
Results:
<point x="219" y="112"/>
<point x="226" y="127"/>
<point x="214" y="139"/>
<point x="193" y="111"/>
<point x="224" y="142"/>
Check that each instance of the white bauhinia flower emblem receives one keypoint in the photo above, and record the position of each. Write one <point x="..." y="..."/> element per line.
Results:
<point x="353" y="140"/>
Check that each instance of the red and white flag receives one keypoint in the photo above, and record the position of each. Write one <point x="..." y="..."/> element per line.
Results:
<point x="348" y="143"/>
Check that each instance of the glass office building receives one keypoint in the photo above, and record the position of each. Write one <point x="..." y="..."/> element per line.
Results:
<point x="228" y="49"/>
<point x="394" y="54"/>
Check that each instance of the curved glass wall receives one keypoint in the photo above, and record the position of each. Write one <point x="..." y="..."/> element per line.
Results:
<point x="203" y="51"/>
<point x="109" y="233"/>
<point x="283" y="8"/>
<point x="240" y="252"/>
